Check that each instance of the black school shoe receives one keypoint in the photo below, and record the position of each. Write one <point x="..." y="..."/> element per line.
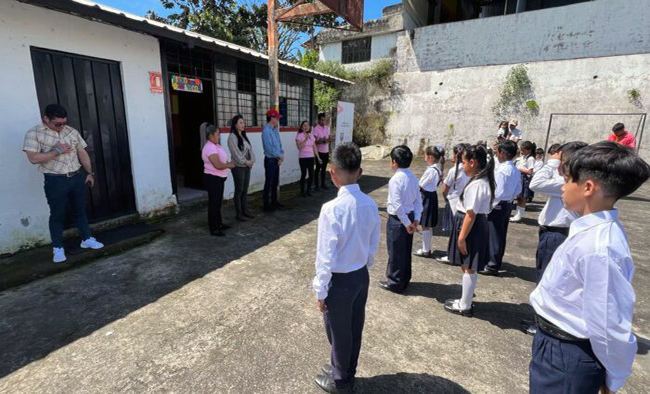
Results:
<point x="489" y="272"/>
<point x="327" y="384"/>
<point x="452" y="306"/>
<point x="217" y="233"/>
<point x="326" y="369"/>
<point x="421" y="253"/>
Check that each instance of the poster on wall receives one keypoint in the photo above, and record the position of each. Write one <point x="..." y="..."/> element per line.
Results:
<point x="155" y="82"/>
<point x="344" y="122"/>
<point x="185" y="84"/>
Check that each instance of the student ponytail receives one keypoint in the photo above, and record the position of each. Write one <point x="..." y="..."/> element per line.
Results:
<point x="531" y="147"/>
<point x="486" y="165"/>
<point x="458" y="152"/>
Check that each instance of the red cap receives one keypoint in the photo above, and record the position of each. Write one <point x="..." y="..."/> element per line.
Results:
<point x="273" y="113"/>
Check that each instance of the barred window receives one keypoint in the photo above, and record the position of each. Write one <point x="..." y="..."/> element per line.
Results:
<point x="356" y="51"/>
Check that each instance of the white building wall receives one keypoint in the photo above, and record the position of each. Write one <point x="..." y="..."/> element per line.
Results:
<point x="331" y="51"/>
<point x="583" y="30"/>
<point x="383" y="46"/>
<point x="23" y="209"/>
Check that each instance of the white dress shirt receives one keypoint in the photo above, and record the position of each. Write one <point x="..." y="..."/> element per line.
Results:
<point x="526" y="163"/>
<point x="476" y="197"/>
<point x="455" y="188"/>
<point x="508" y="182"/>
<point x="587" y="291"/>
<point x="430" y="179"/>
<point x="549" y="182"/>
<point x="515" y="135"/>
<point x="348" y="236"/>
<point x="538" y="165"/>
<point x="404" y="196"/>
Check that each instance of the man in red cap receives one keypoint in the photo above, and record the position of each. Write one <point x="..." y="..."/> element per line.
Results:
<point x="273" y="158"/>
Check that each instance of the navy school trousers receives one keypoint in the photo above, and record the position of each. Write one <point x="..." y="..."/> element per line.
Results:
<point x="564" y="367"/>
<point x="400" y="244"/>
<point x="550" y="238"/>
<point x="344" y="319"/>
<point x="498" y="221"/>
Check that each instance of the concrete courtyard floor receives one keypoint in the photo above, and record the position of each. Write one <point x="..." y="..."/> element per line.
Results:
<point x="194" y="313"/>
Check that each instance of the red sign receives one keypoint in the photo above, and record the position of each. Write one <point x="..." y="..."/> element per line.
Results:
<point x="155" y="82"/>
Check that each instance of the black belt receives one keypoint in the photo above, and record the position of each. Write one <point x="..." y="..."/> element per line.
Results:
<point x="551" y="229"/>
<point x="555" y="331"/>
<point x="67" y="174"/>
<point x="397" y="217"/>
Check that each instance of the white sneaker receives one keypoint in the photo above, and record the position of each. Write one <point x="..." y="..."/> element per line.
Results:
<point x="515" y="219"/>
<point x="59" y="255"/>
<point x="443" y="259"/>
<point x="91" y="243"/>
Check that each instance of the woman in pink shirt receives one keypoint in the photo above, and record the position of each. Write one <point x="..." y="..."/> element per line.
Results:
<point x="215" y="172"/>
<point x="306" y="144"/>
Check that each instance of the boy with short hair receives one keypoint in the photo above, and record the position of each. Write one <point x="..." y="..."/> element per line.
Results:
<point x="348" y="238"/>
<point x="585" y="300"/>
<point x="404" y="207"/>
<point x="508" y="187"/>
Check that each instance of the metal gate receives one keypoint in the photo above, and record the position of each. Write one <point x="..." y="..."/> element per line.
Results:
<point x="91" y="91"/>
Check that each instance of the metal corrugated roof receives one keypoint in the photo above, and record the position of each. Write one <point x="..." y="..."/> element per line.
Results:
<point x="102" y="13"/>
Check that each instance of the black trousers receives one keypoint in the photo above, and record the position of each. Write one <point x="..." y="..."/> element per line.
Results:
<point x="271" y="181"/>
<point x="59" y="191"/>
<point x="565" y="367"/>
<point x="344" y="319"/>
<point x="321" y="168"/>
<point x="400" y="245"/>
<point x="242" y="178"/>
<point x="306" y="167"/>
<point x="549" y="240"/>
<point x="214" y="184"/>
<point x="498" y="221"/>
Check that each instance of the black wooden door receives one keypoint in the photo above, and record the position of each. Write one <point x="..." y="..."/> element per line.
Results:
<point x="91" y="91"/>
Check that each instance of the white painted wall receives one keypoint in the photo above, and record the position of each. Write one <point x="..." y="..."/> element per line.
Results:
<point x="23" y="208"/>
<point x="583" y="30"/>
<point x="382" y="47"/>
<point x="289" y="171"/>
<point x="453" y="106"/>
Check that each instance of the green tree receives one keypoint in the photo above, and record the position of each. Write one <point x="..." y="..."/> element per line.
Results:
<point x="242" y="24"/>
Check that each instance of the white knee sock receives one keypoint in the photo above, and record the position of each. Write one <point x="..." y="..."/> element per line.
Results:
<point x="521" y="211"/>
<point x="426" y="240"/>
<point x="469" y="285"/>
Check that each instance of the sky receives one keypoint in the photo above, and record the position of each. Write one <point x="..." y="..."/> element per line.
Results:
<point x="372" y="8"/>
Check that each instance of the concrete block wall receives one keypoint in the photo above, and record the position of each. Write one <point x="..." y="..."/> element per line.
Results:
<point x="590" y="29"/>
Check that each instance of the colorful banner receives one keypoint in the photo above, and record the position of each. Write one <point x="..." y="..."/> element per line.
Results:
<point x="184" y="84"/>
<point x="155" y="82"/>
<point x="344" y="122"/>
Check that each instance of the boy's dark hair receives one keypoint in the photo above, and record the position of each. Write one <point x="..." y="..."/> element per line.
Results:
<point x="568" y="150"/>
<point x="554" y="149"/>
<point x="402" y="155"/>
<point x="54" y="111"/>
<point x="618" y="126"/>
<point x="539" y="151"/>
<point x="321" y="115"/>
<point x="508" y="148"/>
<point x="486" y="168"/>
<point x="347" y="157"/>
<point x="617" y="168"/>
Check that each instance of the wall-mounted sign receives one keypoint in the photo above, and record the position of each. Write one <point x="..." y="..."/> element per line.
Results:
<point x="184" y="84"/>
<point x="155" y="82"/>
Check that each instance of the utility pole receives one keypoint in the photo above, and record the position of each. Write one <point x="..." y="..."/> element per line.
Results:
<point x="274" y="69"/>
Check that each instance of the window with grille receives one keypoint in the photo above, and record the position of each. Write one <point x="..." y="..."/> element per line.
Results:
<point x="356" y="51"/>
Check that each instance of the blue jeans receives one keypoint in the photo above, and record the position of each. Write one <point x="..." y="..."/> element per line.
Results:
<point x="59" y="191"/>
<point x="272" y="173"/>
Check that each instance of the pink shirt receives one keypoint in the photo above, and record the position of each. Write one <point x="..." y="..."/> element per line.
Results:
<point x="307" y="150"/>
<point x="322" y="132"/>
<point x="210" y="149"/>
<point x="627" y="139"/>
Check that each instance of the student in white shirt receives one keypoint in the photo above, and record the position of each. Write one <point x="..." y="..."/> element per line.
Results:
<point x="554" y="220"/>
<point x="585" y="300"/>
<point x="526" y="166"/>
<point x="348" y="238"/>
<point x="433" y="155"/>
<point x="515" y="133"/>
<point x="469" y="247"/>
<point x="539" y="160"/>
<point x="508" y="186"/>
<point x="404" y="208"/>
<point x="453" y="185"/>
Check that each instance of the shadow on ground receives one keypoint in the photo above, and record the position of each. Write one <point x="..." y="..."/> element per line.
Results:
<point x="408" y="383"/>
<point x="529" y="274"/>
<point x="46" y="315"/>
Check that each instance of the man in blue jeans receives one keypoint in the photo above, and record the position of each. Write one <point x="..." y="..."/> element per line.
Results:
<point x="60" y="152"/>
<point x="273" y="157"/>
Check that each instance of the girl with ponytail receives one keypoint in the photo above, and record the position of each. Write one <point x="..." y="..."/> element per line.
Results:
<point x="526" y="166"/>
<point x="452" y="186"/>
<point x="468" y="244"/>
<point x="432" y="177"/>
